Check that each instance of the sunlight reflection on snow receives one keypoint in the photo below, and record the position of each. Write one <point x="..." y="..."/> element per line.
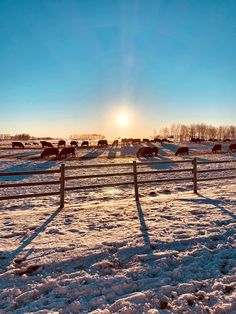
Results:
<point x="112" y="191"/>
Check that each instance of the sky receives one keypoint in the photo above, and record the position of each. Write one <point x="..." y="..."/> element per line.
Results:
<point x="73" y="66"/>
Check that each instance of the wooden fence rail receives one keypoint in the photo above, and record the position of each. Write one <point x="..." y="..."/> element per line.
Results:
<point x="134" y="172"/>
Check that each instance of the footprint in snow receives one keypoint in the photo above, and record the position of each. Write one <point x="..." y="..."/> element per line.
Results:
<point x="73" y="230"/>
<point x="68" y="221"/>
<point x="167" y="217"/>
<point x="54" y="231"/>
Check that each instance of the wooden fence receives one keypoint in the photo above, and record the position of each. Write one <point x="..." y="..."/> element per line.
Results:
<point x="134" y="173"/>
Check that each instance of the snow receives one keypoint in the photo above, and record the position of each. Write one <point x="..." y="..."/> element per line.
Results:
<point x="172" y="252"/>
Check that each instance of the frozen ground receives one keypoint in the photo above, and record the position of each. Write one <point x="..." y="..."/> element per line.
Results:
<point x="173" y="252"/>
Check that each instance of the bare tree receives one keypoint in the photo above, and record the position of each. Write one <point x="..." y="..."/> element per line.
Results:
<point x="182" y="132"/>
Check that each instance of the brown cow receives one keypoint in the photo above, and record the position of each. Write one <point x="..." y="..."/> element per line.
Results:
<point x="195" y="140"/>
<point x="157" y="140"/>
<point x="164" y="140"/>
<point x="61" y="143"/>
<point x="182" y="151"/>
<point x="46" y="144"/>
<point x="66" y="151"/>
<point x="48" y="152"/>
<point x="74" y="143"/>
<point x="124" y="141"/>
<point x="232" y="148"/>
<point x="216" y="148"/>
<point x="136" y="141"/>
<point x="17" y="145"/>
<point x="115" y="143"/>
<point x="102" y="143"/>
<point x="85" y="144"/>
<point x="147" y="152"/>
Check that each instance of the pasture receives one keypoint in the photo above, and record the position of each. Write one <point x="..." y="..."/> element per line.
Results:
<point x="171" y="251"/>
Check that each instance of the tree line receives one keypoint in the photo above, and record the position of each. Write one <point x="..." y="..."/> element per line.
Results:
<point x="183" y="132"/>
<point x="22" y="137"/>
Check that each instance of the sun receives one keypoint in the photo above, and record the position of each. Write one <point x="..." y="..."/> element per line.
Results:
<point x="122" y="119"/>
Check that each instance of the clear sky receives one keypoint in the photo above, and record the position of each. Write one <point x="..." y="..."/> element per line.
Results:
<point x="72" y="66"/>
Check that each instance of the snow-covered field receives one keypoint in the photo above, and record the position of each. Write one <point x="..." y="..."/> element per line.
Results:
<point x="172" y="252"/>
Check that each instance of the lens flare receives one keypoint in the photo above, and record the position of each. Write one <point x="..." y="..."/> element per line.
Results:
<point x="122" y="119"/>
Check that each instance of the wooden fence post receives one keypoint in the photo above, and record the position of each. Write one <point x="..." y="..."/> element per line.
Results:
<point x="62" y="187"/>
<point x="194" y="162"/>
<point x="135" y="181"/>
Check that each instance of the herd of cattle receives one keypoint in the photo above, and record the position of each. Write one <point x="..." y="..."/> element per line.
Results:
<point x="147" y="151"/>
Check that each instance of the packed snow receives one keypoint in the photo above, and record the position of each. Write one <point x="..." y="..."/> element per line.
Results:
<point x="172" y="252"/>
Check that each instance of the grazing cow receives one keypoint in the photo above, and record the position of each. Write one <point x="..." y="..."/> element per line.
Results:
<point x="66" y="151"/>
<point x="232" y="148"/>
<point x="74" y="143"/>
<point x="217" y="148"/>
<point x="164" y="140"/>
<point x="61" y="143"/>
<point x="157" y="140"/>
<point x="136" y="141"/>
<point x="46" y="144"/>
<point x="182" y="151"/>
<point x="124" y="141"/>
<point x="115" y="143"/>
<point x="227" y="140"/>
<point x="48" y="152"/>
<point x="85" y="144"/>
<point x="147" y="152"/>
<point x="195" y="140"/>
<point x="146" y="140"/>
<point x="102" y="143"/>
<point x="17" y="145"/>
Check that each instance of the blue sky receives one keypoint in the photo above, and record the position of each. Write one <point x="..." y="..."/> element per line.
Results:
<point x="70" y="66"/>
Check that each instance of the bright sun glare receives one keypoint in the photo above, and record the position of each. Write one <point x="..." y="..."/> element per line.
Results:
<point x="122" y="119"/>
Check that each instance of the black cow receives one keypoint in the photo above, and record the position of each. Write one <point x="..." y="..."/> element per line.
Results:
<point x="115" y="143"/>
<point x="157" y="140"/>
<point x="61" y="143"/>
<point x="146" y="140"/>
<point x="17" y="145"/>
<point x="48" y="152"/>
<point x="46" y="144"/>
<point x="232" y="148"/>
<point x="147" y="152"/>
<point x="182" y="151"/>
<point x="216" y="148"/>
<point x="74" y="143"/>
<point x="66" y="151"/>
<point x="85" y="144"/>
<point x="102" y="143"/>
